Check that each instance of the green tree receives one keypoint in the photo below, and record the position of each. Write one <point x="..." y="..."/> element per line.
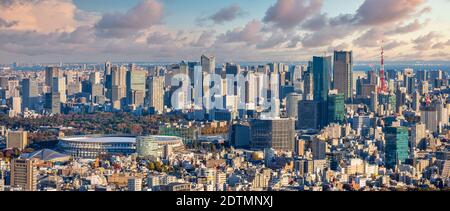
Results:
<point x="158" y="166"/>
<point x="151" y="166"/>
<point x="16" y="152"/>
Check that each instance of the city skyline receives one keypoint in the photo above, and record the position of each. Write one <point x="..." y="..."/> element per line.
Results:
<point x="272" y="30"/>
<point x="196" y="126"/>
<point x="224" y="96"/>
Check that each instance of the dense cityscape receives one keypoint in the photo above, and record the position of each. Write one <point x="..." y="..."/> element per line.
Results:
<point x="327" y="127"/>
<point x="277" y="96"/>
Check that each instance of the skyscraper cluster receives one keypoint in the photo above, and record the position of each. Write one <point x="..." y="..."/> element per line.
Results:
<point x="318" y="125"/>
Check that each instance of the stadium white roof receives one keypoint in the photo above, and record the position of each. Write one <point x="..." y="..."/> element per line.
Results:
<point x="100" y="139"/>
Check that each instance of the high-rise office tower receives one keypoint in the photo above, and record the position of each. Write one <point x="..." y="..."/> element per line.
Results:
<point x="273" y="67"/>
<point x="119" y="75"/>
<point x="224" y="90"/>
<point x="443" y="116"/>
<point x="240" y="135"/>
<point x="411" y="84"/>
<point x="30" y="94"/>
<point x="421" y="75"/>
<point x="108" y="79"/>
<point x="372" y="78"/>
<point x="191" y="70"/>
<point x="400" y="99"/>
<point x="118" y="87"/>
<point x="258" y="88"/>
<point x="308" y="86"/>
<point x="55" y="103"/>
<point x="435" y="74"/>
<point x="17" y="139"/>
<point x="156" y="93"/>
<point x="359" y="87"/>
<point x="108" y="68"/>
<point x="16" y="106"/>
<point x="71" y="77"/>
<point x="292" y="104"/>
<point x="432" y="116"/>
<point x="184" y="68"/>
<point x="137" y="98"/>
<point x="97" y="93"/>
<point x="343" y="70"/>
<point x="296" y="77"/>
<point x="300" y="147"/>
<point x="296" y="72"/>
<point x="250" y="89"/>
<point x="282" y="78"/>
<point x="136" y="82"/>
<point x="12" y="89"/>
<point x="74" y="86"/>
<point x="397" y="148"/>
<point x="318" y="149"/>
<point x="50" y="73"/>
<point x="208" y="67"/>
<point x="308" y="113"/>
<point x="424" y="88"/>
<point x="336" y="108"/>
<point x="59" y="87"/>
<point x="208" y="64"/>
<point x="197" y="92"/>
<point x="416" y="101"/>
<point x="232" y="69"/>
<point x="131" y="67"/>
<point x="285" y="90"/>
<point x="321" y="78"/>
<point x="389" y="101"/>
<point x="428" y="116"/>
<point x="24" y="174"/>
<point x="4" y="82"/>
<point x="374" y="102"/>
<point x="418" y="132"/>
<point x="94" y="77"/>
<point x="275" y="133"/>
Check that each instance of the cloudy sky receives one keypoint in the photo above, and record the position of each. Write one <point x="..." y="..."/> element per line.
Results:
<point x="232" y="30"/>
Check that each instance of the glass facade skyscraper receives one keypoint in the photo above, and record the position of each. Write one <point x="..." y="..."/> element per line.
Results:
<point x="321" y="73"/>
<point x="397" y="148"/>
<point x="336" y="108"/>
<point x="342" y="73"/>
<point x="321" y="78"/>
<point x="319" y="149"/>
<point x="308" y="113"/>
<point x="30" y="94"/>
<point x="136" y="82"/>
<point x="278" y="134"/>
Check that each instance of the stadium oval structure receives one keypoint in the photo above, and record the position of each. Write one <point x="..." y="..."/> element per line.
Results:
<point x="91" y="147"/>
<point x="157" y="146"/>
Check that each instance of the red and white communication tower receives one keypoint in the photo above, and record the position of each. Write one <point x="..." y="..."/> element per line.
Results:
<point x="383" y="84"/>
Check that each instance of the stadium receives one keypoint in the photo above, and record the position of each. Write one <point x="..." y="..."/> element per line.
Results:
<point x="158" y="146"/>
<point x="91" y="147"/>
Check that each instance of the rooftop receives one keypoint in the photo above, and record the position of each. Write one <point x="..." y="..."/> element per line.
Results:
<point x="46" y="155"/>
<point x="101" y="139"/>
<point x="162" y="138"/>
